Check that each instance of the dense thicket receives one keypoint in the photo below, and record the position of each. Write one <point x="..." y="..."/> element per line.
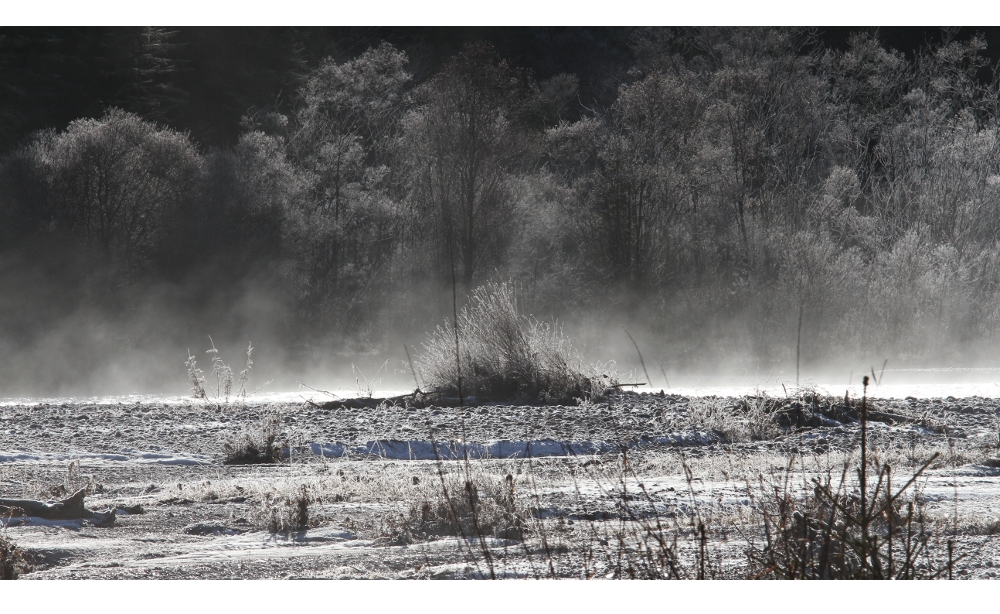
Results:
<point x="729" y="181"/>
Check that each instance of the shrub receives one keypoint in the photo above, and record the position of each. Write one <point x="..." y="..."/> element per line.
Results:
<point x="12" y="560"/>
<point x="285" y="514"/>
<point x="469" y="506"/>
<point x="255" y="443"/>
<point x="833" y="533"/>
<point x="504" y="354"/>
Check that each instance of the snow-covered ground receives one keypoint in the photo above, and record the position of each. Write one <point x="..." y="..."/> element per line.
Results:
<point x="127" y="455"/>
<point x="958" y="390"/>
<point x="364" y="468"/>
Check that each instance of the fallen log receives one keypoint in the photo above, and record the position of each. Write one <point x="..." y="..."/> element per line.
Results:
<point x="71" y="508"/>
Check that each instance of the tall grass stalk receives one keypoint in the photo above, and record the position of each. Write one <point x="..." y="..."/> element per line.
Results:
<point x="196" y="376"/>
<point x="863" y="525"/>
<point x="223" y="375"/>
<point x="245" y="373"/>
<point x="225" y="379"/>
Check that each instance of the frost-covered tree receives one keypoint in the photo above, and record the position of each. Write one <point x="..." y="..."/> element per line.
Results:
<point x="344" y="228"/>
<point x="112" y="181"/>
<point x="462" y="144"/>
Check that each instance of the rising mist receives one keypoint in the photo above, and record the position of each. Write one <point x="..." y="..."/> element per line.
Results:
<point x="705" y="189"/>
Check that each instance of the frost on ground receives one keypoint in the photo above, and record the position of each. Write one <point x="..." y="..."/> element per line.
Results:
<point x="494" y="491"/>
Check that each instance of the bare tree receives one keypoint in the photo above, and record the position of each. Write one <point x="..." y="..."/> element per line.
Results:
<point x="462" y="144"/>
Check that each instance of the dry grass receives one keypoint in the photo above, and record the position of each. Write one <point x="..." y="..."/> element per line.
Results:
<point x="750" y="419"/>
<point x="838" y="531"/>
<point x="255" y="443"/>
<point x="228" y="386"/>
<point x="794" y="522"/>
<point x="284" y="513"/>
<point x="472" y="505"/>
<point x="12" y="559"/>
<point x="196" y="376"/>
<point x="504" y="354"/>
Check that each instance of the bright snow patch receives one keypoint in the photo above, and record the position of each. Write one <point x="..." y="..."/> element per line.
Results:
<point x="452" y="450"/>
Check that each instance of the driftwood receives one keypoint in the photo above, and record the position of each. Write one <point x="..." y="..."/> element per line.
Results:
<point x="71" y="508"/>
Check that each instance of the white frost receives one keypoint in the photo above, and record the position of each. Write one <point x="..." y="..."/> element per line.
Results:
<point x="148" y="458"/>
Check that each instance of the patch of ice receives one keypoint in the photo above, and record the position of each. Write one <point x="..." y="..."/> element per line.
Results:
<point x="311" y="536"/>
<point x="161" y="458"/>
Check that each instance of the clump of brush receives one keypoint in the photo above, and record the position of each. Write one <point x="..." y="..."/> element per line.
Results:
<point x="13" y="561"/>
<point x="471" y="506"/>
<point x="854" y="530"/>
<point x="223" y="374"/>
<point x="504" y="355"/>
<point x="256" y="442"/>
<point x="285" y="514"/>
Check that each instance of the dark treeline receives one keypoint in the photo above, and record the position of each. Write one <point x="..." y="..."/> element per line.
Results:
<point x="705" y="185"/>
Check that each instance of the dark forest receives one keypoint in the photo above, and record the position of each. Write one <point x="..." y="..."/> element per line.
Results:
<point x="320" y="190"/>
